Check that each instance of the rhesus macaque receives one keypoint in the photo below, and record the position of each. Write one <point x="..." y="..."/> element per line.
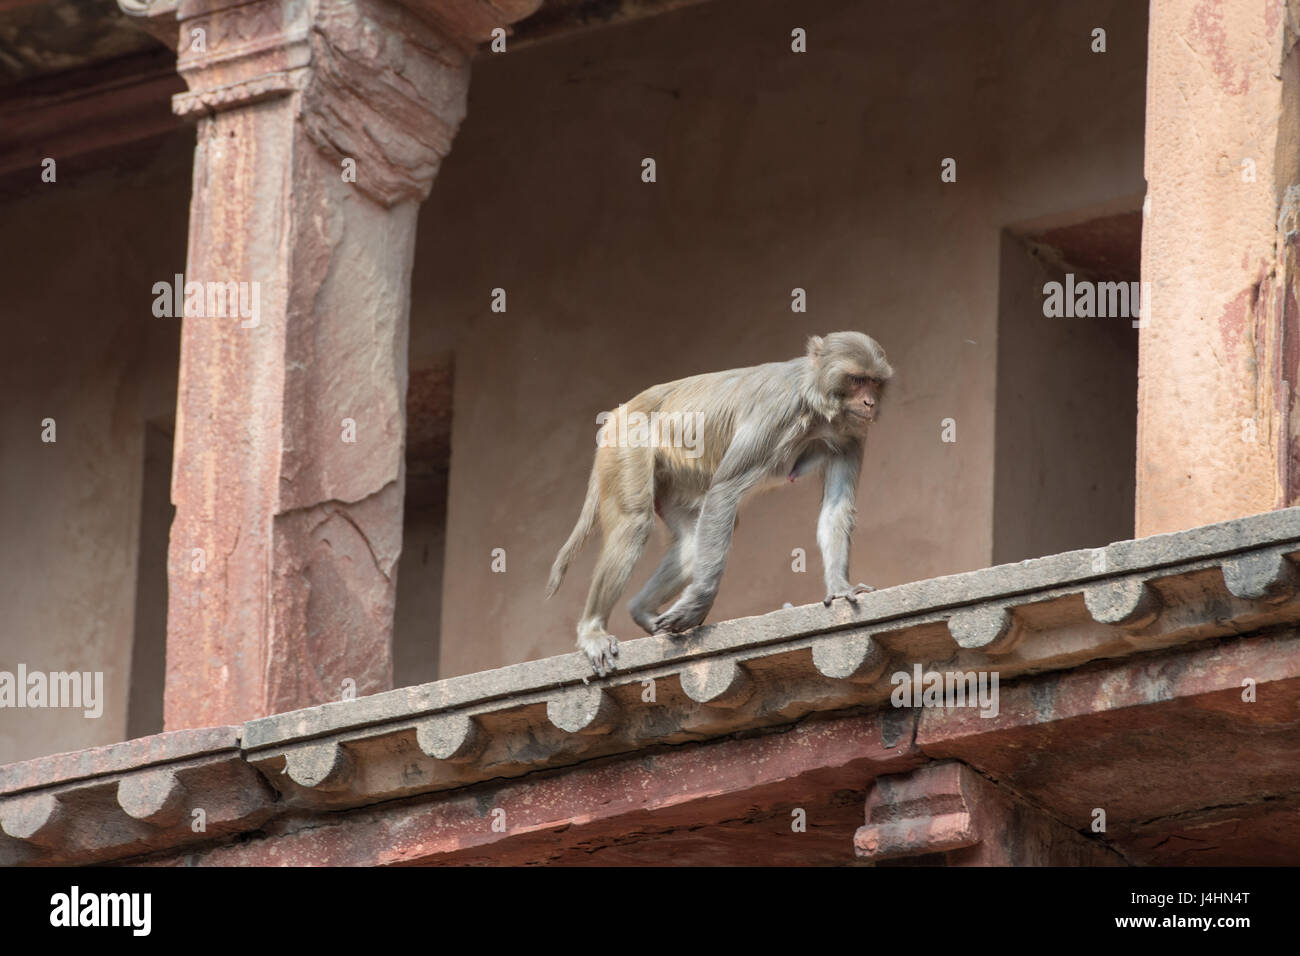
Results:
<point x="757" y="427"/>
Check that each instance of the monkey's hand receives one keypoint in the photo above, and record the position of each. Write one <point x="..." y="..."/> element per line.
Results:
<point x="850" y="594"/>
<point x="601" y="649"/>
<point x="687" y="613"/>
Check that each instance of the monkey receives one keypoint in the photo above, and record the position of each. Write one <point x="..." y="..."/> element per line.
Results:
<point x="755" y="427"/>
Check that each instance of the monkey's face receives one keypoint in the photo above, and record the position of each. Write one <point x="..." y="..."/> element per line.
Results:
<point x="862" y="395"/>
<point x="848" y="370"/>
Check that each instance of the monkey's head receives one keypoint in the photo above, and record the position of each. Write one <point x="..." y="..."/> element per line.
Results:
<point x="847" y="376"/>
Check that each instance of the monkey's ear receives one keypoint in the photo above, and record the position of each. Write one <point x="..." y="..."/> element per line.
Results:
<point x="816" y="346"/>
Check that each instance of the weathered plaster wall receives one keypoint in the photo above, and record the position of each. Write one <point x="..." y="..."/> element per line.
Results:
<point x="78" y="258"/>
<point x="775" y="170"/>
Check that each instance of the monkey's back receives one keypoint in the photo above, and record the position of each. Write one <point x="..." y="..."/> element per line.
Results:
<point x="715" y="404"/>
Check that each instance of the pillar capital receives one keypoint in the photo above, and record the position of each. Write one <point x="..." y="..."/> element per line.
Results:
<point x="466" y="22"/>
<point x="376" y="81"/>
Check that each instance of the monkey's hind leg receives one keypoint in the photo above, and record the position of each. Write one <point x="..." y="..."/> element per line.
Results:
<point x="627" y="518"/>
<point x="673" y="572"/>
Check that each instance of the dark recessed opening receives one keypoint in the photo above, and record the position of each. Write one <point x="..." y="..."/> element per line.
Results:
<point x="1066" y="387"/>
<point x="144" y="709"/>
<point x="417" y="618"/>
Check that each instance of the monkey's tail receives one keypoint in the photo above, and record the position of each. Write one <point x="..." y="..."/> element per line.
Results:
<point x="579" y="534"/>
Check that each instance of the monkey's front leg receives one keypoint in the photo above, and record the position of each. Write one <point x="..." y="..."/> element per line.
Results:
<point x="835" y="526"/>
<point x="849" y="593"/>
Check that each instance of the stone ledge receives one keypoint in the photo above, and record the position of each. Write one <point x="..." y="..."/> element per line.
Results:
<point x="130" y="798"/>
<point x="1045" y="614"/>
<point x="132" y="755"/>
<point x="1048" y="614"/>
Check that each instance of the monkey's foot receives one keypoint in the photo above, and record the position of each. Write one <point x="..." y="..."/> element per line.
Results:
<point x="679" y="618"/>
<point x="601" y="649"/>
<point x="644" y="620"/>
<point x="849" y="594"/>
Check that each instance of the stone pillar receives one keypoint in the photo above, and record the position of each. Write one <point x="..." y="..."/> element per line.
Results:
<point x="946" y="814"/>
<point x="1218" y="433"/>
<point x="321" y="125"/>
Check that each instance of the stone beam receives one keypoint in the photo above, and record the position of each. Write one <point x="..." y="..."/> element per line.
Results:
<point x="1186" y="757"/>
<point x="1218" y="435"/>
<point x="320" y="126"/>
<point x="100" y="108"/>
<point x="564" y="18"/>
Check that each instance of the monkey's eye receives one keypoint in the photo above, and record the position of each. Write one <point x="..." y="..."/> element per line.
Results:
<point x="856" y="382"/>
